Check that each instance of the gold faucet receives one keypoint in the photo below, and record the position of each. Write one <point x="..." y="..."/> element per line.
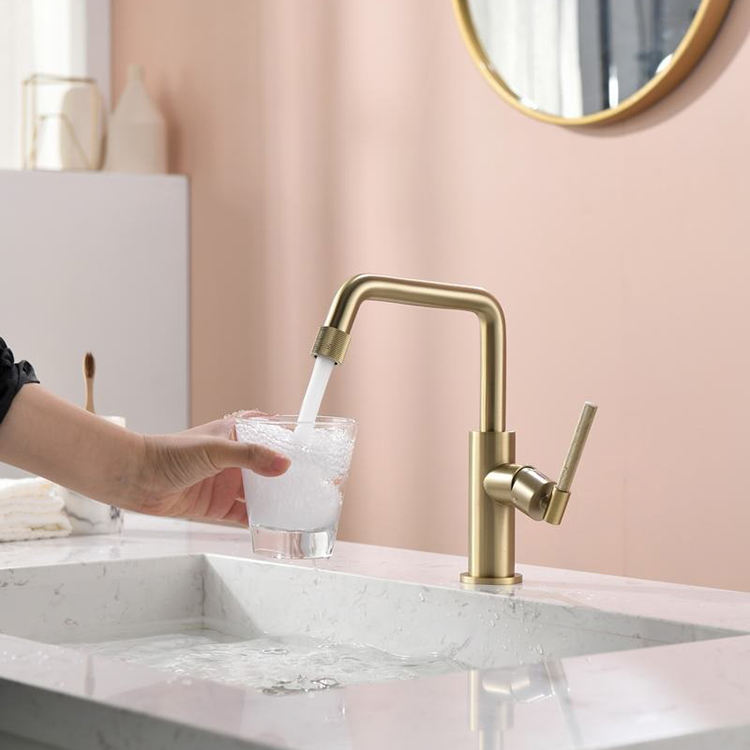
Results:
<point x="497" y="484"/>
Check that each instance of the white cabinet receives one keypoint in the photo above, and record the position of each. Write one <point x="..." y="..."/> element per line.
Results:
<point x="100" y="262"/>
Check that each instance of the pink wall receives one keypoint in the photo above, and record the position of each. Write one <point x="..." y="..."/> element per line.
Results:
<point x="329" y="138"/>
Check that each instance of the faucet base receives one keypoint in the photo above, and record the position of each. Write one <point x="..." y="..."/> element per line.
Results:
<point x="490" y="581"/>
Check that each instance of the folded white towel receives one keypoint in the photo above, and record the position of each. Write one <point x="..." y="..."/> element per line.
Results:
<point x="14" y="489"/>
<point x="32" y="508"/>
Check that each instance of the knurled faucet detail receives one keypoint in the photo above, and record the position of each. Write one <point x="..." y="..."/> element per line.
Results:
<point x="498" y="486"/>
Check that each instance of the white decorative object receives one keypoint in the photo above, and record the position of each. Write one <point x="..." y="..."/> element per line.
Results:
<point x="137" y="140"/>
<point x="89" y="516"/>
<point x="81" y="139"/>
<point x="62" y="124"/>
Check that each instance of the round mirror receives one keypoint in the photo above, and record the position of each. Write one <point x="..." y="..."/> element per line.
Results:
<point x="580" y="62"/>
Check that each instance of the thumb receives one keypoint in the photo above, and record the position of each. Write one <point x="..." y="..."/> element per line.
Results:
<point x="226" y="454"/>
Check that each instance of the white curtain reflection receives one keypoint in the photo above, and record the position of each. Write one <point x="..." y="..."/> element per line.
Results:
<point x="36" y="36"/>
<point x="533" y="45"/>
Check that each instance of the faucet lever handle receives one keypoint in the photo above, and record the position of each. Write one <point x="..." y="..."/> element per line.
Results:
<point x="558" y="500"/>
<point x="576" y="446"/>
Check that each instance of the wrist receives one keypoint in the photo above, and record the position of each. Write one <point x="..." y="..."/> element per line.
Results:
<point x="128" y="484"/>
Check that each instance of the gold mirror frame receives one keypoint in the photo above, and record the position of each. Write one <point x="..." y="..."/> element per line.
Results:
<point x="696" y="41"/>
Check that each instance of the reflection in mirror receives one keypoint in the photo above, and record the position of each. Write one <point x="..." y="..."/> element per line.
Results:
<point x="573" y="58"/>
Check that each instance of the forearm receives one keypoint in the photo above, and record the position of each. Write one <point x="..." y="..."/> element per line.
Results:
<point x="48" y="436"/>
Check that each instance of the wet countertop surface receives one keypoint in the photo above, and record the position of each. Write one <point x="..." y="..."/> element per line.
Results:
<point x="687" y="694"/>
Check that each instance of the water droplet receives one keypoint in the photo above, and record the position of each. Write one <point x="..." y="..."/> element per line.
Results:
<point x="325" y="682"/>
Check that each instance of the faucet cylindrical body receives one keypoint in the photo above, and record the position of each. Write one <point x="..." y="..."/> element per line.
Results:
<point x="492" y="537"/>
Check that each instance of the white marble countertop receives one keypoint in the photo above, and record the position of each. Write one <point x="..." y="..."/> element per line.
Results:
<point x="689" y="695"/>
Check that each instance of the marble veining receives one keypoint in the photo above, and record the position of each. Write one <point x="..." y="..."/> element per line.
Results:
<point x="88" y="516"/>
<point x="567" y="660"/>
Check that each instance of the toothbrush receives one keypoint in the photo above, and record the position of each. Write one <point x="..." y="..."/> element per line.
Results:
<point x="89" y="368"/>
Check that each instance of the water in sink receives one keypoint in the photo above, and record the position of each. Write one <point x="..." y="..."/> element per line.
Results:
<point x="273" y="665"/>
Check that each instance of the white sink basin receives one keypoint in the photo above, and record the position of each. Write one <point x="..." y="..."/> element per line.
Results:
<point x="281" y="628"/>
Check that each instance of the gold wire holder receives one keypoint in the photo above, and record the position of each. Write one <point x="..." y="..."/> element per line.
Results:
<point x="33" y="123"/>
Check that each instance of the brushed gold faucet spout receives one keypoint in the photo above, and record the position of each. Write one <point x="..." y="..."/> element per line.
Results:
<point x="333" y="337"/>
<point x="497" y="485"/>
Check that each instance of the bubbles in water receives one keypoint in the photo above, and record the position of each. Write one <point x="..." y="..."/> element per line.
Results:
<point x="326" y="682"/>
<point x="273" y="665"/>
<point x="300" y="685"/>
<point x="308" y="496"/>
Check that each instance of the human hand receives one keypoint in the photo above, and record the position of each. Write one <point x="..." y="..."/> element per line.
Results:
<point x="196" y="474"/>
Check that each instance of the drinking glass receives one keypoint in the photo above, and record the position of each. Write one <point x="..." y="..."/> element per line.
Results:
<point x="296" y="515"/>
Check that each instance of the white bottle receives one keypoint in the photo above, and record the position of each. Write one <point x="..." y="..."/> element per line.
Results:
<point x="137" y="139"/>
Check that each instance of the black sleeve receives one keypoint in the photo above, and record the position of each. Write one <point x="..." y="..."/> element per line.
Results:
<point x="13" y="376"/>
